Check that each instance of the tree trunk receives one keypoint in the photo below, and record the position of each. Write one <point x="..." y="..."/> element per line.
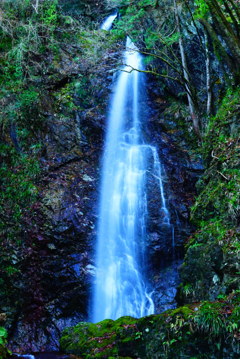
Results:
<point x="218" y="47"/>
<point x="236" y="9"/>
<point x="224" y="28"/>
<point x="208" y="76"/>
<point x="233" y="18"/>
<point x="190" y="96"/>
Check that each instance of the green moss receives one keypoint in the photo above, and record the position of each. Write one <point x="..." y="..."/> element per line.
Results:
<point x="18" y="173"/>
<point x="210" y="265"/>
<point x="205" y="330"/>
<point x="98" y="340"/>
<point x="185" y="311"/>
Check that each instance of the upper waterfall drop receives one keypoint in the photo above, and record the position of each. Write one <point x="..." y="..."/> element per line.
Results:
<point x="107" y="24"/>
<point x="121" y="285"/>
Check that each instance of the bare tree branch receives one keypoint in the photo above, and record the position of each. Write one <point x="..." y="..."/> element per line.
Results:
<point x="152" y="73"/>
<point x="36" y="6"/>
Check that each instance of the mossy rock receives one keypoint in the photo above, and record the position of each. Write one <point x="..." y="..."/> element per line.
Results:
<point x="101" y="340"/>
<point x="203" y="330"/>
<point x="201" y="273"/>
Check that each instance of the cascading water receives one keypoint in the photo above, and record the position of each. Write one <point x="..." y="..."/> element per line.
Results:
<point x="121" y="285"/>
<point x="107" y="24"/>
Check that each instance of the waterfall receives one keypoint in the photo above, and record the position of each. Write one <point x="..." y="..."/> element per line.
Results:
<point x="121" y="284"/>
<point x="107" y="24"/>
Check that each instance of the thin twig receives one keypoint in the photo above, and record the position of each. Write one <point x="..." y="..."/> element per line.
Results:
<point x="213" y="156"/>
<point x="153" y="73"/>
<point x="223" y="175"/>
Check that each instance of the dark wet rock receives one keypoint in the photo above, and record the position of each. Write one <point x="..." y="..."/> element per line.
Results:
<point x="204" y="263"/>
<point x="213" y="273"/>
<point x="53" y="286"/>
<point x="56" y="265"/>
<point x="166" y="282"/>
<point x="56" y="269"/>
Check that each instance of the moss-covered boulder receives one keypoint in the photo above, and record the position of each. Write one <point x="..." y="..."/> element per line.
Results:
<point x="206" y="330"/>
<point x="102" y="340"/>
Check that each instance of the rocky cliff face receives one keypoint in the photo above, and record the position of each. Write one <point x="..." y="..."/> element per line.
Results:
<point x="47" y="285"/>
<point x="57" y="257"/>
<point x="57" y="261"/>
<point x="211" y="266"/>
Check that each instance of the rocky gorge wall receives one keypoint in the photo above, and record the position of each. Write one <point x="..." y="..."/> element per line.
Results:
<point x="57" y="264"/>
<point x="57" y="260"/>
<point x="47" y="267"/>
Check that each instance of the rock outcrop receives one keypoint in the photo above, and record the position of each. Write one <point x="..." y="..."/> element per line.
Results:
<point x="200" y="330"/>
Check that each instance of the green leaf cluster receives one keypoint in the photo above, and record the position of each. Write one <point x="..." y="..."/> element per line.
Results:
<point x="202" y="9"/>
<point x="3" y="342"/>
<point x="49" y="14"/>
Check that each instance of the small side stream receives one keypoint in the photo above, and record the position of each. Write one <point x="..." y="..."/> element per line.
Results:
<point x="52" y="355"/>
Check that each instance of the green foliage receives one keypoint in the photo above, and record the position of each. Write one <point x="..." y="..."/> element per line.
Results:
<point x="94" y="44"/>
<point x="3" y="335"/>
<point x="187" y="289"/>
<point x="131" y="22"/>
<point x="208" y="319"/>
<point x="28" y="97"/>
<point x="65" y="96"/>
<point x="140" y="3"/>
<point x="32" y="48"/>
<point x="27" y="34"/>
<point x="151" y="39"/>
<point x="18" y="191"/>
<point x="144" y="3"/>
<point x="210" y="231"/>
<point x="220" y="127"/>
<point x="3" y="342"/>
<point x="170" y="40"/>
<point x="202" y="9"/>
<point x="49" y="15"/>
<point x="214" y="247"/>
<point x="219" y="187"/>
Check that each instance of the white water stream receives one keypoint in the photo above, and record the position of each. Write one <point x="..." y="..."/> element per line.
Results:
<point x="107" y="24"/>
<point x="121" y="284"/>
